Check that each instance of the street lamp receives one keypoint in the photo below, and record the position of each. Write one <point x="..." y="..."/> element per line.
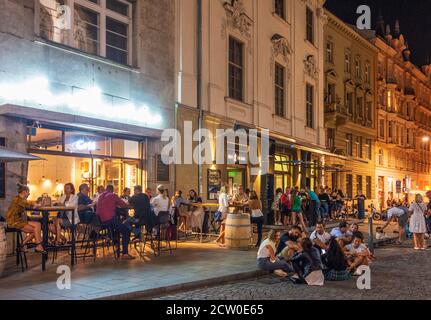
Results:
<point x="426" y="139"/>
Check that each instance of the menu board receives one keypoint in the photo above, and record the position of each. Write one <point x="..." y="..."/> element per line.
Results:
<point x="162" y="170"/>
<point x="214" y="183"/>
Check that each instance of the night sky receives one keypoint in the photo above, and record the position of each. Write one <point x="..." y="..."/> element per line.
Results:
<point x="414" y="17"/>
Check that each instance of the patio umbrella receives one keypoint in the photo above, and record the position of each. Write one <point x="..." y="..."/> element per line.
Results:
<point x="8" y="155"/>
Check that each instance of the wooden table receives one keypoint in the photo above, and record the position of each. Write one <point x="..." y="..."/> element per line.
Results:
<point x="46" y="211"/>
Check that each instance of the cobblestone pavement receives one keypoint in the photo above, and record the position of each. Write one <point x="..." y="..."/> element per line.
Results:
<point x="399" y="273"/>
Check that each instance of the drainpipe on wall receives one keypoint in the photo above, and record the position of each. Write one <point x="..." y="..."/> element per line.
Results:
<point x="199" y="84"/>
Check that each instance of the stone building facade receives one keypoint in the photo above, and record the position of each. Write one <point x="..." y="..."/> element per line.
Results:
<point x="88" y="86"/>
<point x="350" y="112"/>
<point x="404" y="113"/>
<point x="262" y="68"/>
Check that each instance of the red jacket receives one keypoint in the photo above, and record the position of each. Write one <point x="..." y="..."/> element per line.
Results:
<point x="107" y="205"/>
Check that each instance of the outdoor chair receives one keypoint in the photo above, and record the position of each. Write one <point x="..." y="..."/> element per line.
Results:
<point x="21" y="256"/>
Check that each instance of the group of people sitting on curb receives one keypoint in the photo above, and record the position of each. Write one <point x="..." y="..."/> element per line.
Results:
<point x="334" y="256"/>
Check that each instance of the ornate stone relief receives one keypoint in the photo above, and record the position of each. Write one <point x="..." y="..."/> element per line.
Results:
<point x="280" y="47"/>
<point x="311" y="67"/>
<point x="236" y="18"/>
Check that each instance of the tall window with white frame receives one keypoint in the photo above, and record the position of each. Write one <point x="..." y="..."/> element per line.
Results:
<point x="309" y="105"/>
<point x="99" y="27"/>
<point x="349" y="144"/>
<point x="280" y="8"/>
<point x="280" y="90"/>
<point x="357" y="69"/>
<point x="236" y="69"/>
<point x="309" y="25"/>
<point x="347" y="62"/>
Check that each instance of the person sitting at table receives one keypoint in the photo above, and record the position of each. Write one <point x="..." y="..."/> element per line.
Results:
<point x="240" y="199"/>
<point x="85" y="205"/>
<point x="64" y="220"/>
<point x="197" y="216"/>
<point x="16" y="217"/>
<point x="160" y="203"/>
<point x="181" y="205"/>
<point x="106" y="211"/>
<point x="143" y="215"/>
<point x="222" y="212"/>
<point x="255" y="206"/>
<point x="126" y="194"/>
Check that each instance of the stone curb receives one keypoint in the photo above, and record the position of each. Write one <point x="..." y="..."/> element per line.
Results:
<point x="151" y="293"/>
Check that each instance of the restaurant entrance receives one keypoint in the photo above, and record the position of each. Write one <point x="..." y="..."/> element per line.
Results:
<point x="82" y="157"/>
<point x="236" y="178"/>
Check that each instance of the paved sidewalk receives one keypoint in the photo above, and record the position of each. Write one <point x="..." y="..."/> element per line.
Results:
<point x="196" y="263"/>
<point x="193" y="265"/>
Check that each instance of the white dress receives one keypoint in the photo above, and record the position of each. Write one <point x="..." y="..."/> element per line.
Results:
<point x="417" y="220"/>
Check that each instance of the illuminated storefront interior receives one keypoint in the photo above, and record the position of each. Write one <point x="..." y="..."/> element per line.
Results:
<point x="82" y="157"/>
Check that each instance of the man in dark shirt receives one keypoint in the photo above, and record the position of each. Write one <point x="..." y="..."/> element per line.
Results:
<point x="289" y="242"/>
<point x="85" y="205"/>
<point x="143" y="214"/>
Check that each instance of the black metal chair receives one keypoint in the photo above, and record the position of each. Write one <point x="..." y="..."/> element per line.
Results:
<point x="21" y="256"/>
<point x="106" y="236"/>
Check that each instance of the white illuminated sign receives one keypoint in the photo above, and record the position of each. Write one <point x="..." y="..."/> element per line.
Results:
<point x="89" y="103"/>
<point x="82" y="145"/>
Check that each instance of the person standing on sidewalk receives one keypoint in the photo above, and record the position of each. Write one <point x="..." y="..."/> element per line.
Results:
<point x="297" y="214"/>
<point x="417" y="222"/>
<point x="286" y="207"/>
<point x="428" y="216"/>
<point x="221" y="214"/>
<point x="314" y="207"/>
<point x="276" y="207"/>
<point x="255" y="206"/>
<point x="360" y="198"/>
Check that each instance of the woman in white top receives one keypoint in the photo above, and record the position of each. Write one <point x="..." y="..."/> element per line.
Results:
<point x="223" y="208"/>
<point x="266" y="259"/>
<point x="160" y="203"/>
<point x="68" y="199"/>
<point x="418" y="223"/>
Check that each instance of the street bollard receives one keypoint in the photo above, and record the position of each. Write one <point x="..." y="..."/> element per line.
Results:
<point x="370" y="234"/>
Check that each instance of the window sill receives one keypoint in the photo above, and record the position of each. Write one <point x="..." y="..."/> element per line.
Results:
<point x="238" y="102"/>
<point x="63" y="47"/>
<point x="280" y="19"/>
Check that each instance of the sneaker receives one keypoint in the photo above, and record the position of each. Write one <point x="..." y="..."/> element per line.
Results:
<point x="280" y="273"/>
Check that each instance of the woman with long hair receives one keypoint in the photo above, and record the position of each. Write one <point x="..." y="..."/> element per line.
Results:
<point x="255" y="206"/>
<point x="266" y="258"/>
<point x="16" y="217"/>
<point x="305" y="262"/>
<point x="68" y="199"/>
<point x="418" y="223"/>
<point x="197" y="213"/>
<point x="335" y="262"/>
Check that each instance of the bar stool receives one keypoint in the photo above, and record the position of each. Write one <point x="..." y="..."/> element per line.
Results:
<point x="21" y="256"/>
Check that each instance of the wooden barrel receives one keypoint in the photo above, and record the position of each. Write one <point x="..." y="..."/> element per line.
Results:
<point x="3" y="248"/>
<point x="238" y="231"/>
